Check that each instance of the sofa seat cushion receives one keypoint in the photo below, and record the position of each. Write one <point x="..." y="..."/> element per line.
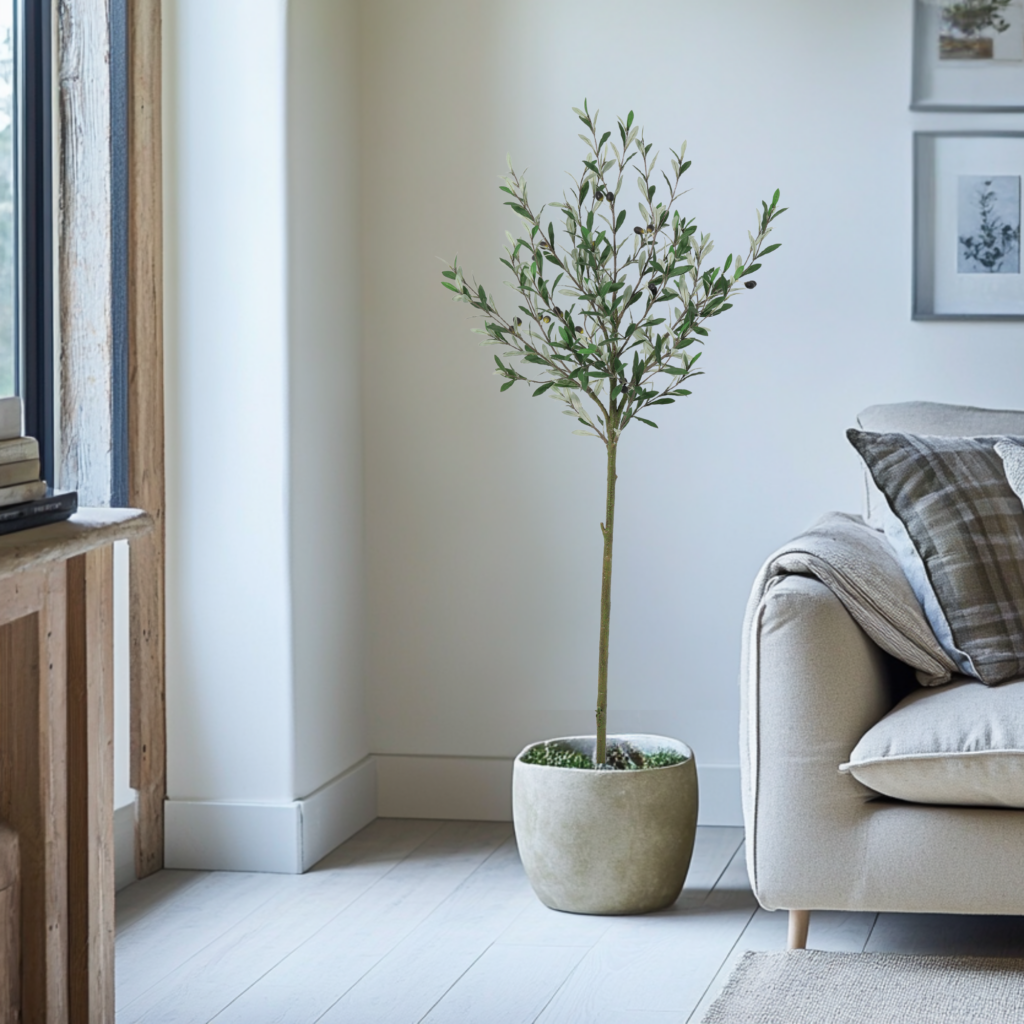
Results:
<point x="961" y="744"/>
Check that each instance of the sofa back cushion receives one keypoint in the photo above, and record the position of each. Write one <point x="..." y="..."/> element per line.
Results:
<point x="958" y="531"/>
<point x="937" y="419"/>
<point x="959" y="744"/>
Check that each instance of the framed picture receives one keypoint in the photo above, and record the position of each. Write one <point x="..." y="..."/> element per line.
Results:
<point x="968" y="55"/>
<point x="967" y="225"/>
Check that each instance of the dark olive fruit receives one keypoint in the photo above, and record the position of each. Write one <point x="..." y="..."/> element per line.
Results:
<point x="749" y="284"/>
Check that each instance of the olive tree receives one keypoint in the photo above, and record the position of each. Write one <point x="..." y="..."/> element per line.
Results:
<point x="609" y="312"/>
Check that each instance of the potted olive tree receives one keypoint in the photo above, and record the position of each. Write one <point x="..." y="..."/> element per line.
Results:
<point x="606" y="325"/>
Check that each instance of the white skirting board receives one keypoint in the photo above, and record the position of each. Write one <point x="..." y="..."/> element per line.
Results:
<point x="480" y="789"/>
<point x="290" y="837"/>
<point x="287" y="837"/>
<point x="124" y="846"/>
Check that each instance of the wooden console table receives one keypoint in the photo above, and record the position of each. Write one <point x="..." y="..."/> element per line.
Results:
<point x="57" y="768"/>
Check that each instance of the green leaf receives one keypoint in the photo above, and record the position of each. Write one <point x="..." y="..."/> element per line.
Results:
<point x="483" y="295"/>
<point x="604" y="139"/>
<point x="771" y="248"/>
<point x="450" y="286"/>
<point x="751" y="269"/>
<point x="676" y="371"/>
<point x="775" y="198"/>
<point x="543" y="388"/>
<point x="648" y="422"/>
<point x="505" y="387"/>
<point x="664" y="401"/>
<point x="450" y="274"/>
<point x="618" y="222"/>
<point x="700" y="330"/>
<point x="629" y="121"/>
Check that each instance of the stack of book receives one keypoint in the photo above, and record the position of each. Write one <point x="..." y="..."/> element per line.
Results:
<point x="25" y="499"/>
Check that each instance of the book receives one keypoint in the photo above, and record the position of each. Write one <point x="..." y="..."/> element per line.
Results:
<point x="19" y="472"/>
<point x="18" y="449"/>
<point x="10" y="418"/>
<point x="51" y="509"/>
<point x="18" y="494"/>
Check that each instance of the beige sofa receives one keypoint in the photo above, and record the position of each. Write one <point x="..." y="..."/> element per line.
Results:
<point x="818" y="839"/>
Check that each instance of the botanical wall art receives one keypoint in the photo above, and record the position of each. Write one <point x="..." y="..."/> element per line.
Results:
<point x="988" y="224"/>
<point x="968" y="225"/>
<point x="968" y="55"/>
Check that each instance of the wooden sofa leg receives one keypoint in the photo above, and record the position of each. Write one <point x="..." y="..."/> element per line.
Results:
<point x="799" y="922"/>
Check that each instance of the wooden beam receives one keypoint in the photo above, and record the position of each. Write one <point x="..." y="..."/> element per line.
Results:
<point x="146" y="429"/>
<point x="84" y="261"/>
<point x="33" y="765"/>
<point x="90" y="696"/>
<point x="10" y="925"/>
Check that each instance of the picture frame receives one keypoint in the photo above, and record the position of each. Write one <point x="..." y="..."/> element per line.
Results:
<point x="967" y="226"/>
<point x="968" y="59"/>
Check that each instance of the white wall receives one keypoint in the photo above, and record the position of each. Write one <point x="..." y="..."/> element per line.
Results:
<point x="482" y="510"/>
<point x="325" y="439"/>
<point x="229" y="706"/>
<point x="267" y="740"/>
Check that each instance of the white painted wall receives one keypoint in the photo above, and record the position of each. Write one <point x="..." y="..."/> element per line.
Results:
<point x="482" y="509"/>
<point x="325" y="446"/>
<point x="229" y="706"/>
<point x="267" y="736"/>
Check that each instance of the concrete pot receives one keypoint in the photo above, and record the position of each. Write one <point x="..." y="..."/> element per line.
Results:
<point x="606" y="842"/>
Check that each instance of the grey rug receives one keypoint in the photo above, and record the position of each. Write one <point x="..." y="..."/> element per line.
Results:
<point x="811" y="987"/>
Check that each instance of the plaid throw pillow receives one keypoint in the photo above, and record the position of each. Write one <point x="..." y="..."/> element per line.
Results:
<point x="958" y="529"/>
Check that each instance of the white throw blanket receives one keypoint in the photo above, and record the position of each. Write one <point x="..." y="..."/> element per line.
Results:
<point x="857" y="564"/>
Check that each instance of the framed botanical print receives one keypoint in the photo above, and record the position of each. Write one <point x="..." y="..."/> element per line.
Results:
<point x="968" y="55"/>
<point x="967" y="225"/>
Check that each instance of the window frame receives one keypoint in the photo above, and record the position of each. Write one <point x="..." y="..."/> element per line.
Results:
<point x="34" y="242"/>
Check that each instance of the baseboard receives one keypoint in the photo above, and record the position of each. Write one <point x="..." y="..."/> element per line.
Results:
<point x="480" y="789"/>
<point x="453" y="788"/>
<point x="720" y="800"/>
<point x="285" y="838"/>
<point x="124" y="846"/>
<point x="338" y="810"/>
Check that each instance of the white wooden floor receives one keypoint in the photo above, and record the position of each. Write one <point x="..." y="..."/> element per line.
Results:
<point x="434" y="921"/>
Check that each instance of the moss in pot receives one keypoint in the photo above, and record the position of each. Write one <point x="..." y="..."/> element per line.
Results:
<point x="609" y="325"/>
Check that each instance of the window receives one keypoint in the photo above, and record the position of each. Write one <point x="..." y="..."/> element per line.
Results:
<point x="30" y="322"/>
<point x="8" y="232"/>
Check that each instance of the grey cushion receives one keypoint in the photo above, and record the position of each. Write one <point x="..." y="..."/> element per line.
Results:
<point x="961" y="744"/>
<point x="937" y="419"/>
<point x="958" y="529"/>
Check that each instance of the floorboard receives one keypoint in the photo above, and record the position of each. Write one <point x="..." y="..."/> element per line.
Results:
<point x="948" y="935"/>
<point x="304" y="985"/>
<point x="207" y="982"/>
<point x="435" y="922"/>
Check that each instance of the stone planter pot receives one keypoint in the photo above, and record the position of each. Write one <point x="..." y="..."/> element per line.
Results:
<point x="606" y="842"/>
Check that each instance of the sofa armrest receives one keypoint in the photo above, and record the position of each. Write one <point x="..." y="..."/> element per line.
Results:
<point x="814" y="683"/>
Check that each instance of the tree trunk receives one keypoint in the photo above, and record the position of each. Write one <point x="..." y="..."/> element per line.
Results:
<point x="608" y="529"/>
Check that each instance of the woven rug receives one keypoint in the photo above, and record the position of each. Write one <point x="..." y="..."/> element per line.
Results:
<point x="812" y="987"/>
